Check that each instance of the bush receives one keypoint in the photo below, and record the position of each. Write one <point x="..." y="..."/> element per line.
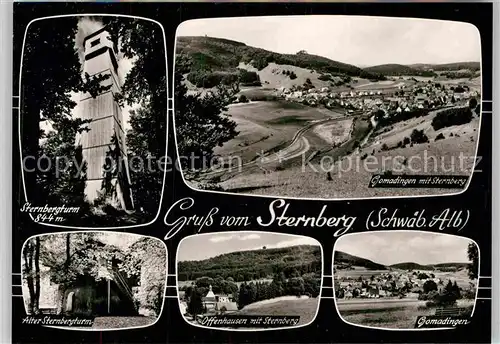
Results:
<point x="292" y="76"/>
<point x="439" y="137"/>
<point x="451" y="117"/>
<point x="385" y="147"/>
<point x="418" y="136"/>
<point x="472" y="103"/>
<point x="208" y="79"/>
<point x="429" y="286"/>
<point x="406" y="141"/>
<point x="325" y="77"/>
<point x="248" y="78"/>
<point x="243" y="99"/>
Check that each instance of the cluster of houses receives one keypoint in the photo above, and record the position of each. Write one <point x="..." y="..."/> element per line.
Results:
<point x="389" y="284"/>
<point x="402" y="98"/>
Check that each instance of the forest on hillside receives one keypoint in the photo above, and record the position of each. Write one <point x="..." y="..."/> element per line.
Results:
<point x="343" y="258"/>
<point x="210" y="55"/>
<point x="254" y="264"/>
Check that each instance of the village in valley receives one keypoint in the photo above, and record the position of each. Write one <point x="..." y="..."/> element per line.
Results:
<point x="393" y="295"/>
<point x="404" y="96"/>
<point x="281" y="109"/>
<point x="394" y="283"/>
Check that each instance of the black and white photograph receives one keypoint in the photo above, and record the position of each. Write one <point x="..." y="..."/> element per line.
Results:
<point x="388" y="279"/>
<point x="249" y="280"/>
<point x="117" y="279"/>
<point x="316" y="106"/>
<point x="93" y="112"/>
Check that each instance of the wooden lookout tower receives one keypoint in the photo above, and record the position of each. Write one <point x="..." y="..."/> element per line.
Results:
<point x="105" y="141"/>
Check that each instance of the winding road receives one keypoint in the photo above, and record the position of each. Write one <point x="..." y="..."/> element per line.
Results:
<point x="298" y="146"/>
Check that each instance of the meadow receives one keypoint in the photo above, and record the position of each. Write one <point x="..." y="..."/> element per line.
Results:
<point x="380" y="313"/>
<point x="306" y="308"/>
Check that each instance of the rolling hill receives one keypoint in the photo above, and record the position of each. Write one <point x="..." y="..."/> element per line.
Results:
<point x="421" y="69"/>
<point x="411" y="266"/>
<point x="447" y="67"/>
<point x="345" y="258"/>
<point x="398" y="69"/>
<point x="195" y="53"/>
<point x="254" y="264"/>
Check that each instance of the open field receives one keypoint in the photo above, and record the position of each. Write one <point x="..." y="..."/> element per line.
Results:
<point x="266" y="126"/>
<point x="306" y="308"/>
<point x="400" y="314"/>
<point x="386" y="313"/>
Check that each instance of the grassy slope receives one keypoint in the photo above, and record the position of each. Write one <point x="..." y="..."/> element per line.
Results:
<point x="351" y="175"/>
<point x="263" y="126"/>
<point x="305" y="308"/>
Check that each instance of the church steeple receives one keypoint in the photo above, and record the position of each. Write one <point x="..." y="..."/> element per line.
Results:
<point x="210" y="293"/>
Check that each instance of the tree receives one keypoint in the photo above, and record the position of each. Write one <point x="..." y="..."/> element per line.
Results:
<point x="456" y="290"/>
<point x="429" y="286"/>
<point x="44" y="90"/>
<point x="145" y="87"/>
<point x="449" y="296"/>
<point x="68" y="256"/>
<point x="473" y="103"/>
<point x="473" y="255"/>
<point x="195" y="304"/>
<point x="31" y="273"/>
<point x="201" y="124"/>
<point x="418" y="136"/>
<point x="146" y="259"/>
<point x="54" y="185"/>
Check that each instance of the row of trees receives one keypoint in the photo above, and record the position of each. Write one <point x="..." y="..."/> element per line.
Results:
<point x="445" y="297"/>
<point x="250" y="292"/>
<point x="207" y="78"/>
<point x="451" y="117"/>
<point x="308" y="284"/>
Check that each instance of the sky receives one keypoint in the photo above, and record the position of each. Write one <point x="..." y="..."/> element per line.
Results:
<point x="121" y="240"/>
<point x="199" y="247"/>
<point x="361" y="41"/>
<point x="399" y="247"/>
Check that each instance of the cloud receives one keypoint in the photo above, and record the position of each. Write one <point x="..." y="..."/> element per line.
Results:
<point x="221" y="238"/>
<point x="250" y="237"/>
<point x="396" y="247"/>
<point x="294" y="242"/>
